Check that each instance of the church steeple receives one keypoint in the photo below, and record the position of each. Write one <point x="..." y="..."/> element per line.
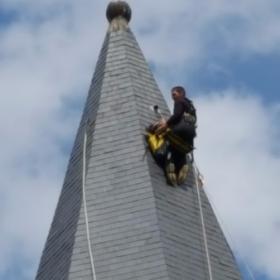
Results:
<point x="116" y="217"/>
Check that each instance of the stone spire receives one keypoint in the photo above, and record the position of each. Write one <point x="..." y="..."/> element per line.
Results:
<point x="116" y="218"/>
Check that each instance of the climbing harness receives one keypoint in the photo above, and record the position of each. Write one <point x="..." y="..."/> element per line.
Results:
<point x="156" y="139"/>
<point x="205" y="239"/>
<point x="178" y="143"/>
<point x="85" y="203"/>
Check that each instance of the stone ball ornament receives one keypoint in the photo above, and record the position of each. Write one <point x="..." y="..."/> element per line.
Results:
<point x="118" y="9"/>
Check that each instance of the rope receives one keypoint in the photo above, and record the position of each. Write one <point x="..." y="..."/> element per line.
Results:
<point x="203" y="223"/>
<point x="244" y="262"/>
<point x="234" y="244"/>
<point x="85" y="206"/>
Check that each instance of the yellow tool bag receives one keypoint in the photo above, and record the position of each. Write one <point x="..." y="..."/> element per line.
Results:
<point x="157" y="145"/>
<point x="155" y="142"/>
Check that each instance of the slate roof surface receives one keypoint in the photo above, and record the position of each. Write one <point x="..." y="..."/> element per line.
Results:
<point x="140" y="228"/>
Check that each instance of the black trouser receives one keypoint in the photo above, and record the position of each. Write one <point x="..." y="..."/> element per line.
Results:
<point x="186" y="131"/>
<point x="176" y="157"/>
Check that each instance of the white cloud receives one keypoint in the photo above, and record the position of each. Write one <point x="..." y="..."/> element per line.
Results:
<point x="192" y="29"/>
<point x="26" y="207"/>
<point x="236" y="136"/>
<point x="47" y="57"/>
<point x="41" y="67"/>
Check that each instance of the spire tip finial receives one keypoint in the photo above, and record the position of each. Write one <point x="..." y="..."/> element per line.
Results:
<point x="118" y="9"/>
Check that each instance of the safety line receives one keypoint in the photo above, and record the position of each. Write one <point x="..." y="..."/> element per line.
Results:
<point x="203" y="223"/>
<point x="85" y="205"/>
<point x="232" y="241"/>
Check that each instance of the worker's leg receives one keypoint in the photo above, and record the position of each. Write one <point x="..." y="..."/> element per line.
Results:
<point x="185" y="131"/>
<point x="170" y="167"/>
<point x="178" y="158"/>
<point x="176" y="167"/>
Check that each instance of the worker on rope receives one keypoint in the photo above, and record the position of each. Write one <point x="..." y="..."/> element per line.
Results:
<point x="179" y="132"/>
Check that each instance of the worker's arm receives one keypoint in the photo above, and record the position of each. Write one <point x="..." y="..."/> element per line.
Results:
<point x="179" y="109"/>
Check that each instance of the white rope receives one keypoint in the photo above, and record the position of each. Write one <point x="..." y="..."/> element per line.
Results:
<point x="203" y="224"/>
<point x="232" y="241"/>
<point x="85" y="206"/>
<point x="245" y="263"/>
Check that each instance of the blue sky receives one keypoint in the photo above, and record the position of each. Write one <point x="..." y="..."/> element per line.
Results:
<point x="259" y="73"/>
<point x="226" y="53"/>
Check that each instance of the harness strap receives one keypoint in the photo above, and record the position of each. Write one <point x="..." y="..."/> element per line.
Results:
<point x="178" y="142"/>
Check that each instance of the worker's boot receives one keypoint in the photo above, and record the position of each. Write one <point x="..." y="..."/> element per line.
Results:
<point x="182" y="175"/>
<point x="171" y="174"/>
